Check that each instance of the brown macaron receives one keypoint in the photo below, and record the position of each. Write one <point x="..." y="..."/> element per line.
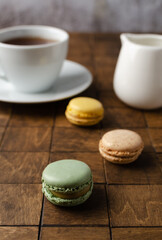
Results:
<point x="121" y="146"/>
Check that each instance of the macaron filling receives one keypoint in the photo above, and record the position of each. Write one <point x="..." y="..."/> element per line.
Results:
<point x="124" y="154"/>
<point x="81" y="114"/>
<point x="71" y="195"/>
<point x="84" y="121"/>
<point x="66" y="202"/>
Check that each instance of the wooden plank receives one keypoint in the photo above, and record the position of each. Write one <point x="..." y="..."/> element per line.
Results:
<point x="94" y="161"/>
<point x="5" y="113"/>
<point x="135" y="205"/>
<point x="80" y="45"/>
<point x="20" y="204"/>
<point x="33" y="115"/>
<point x="34" y="139"/>
<point x="156" y="137"/>
<point x="75" y="233"/>
<point x="61" y="120"/>
<point x="2" y="129"/>
<point x="104" y="78"/>
<point x="160" y="157"/>
<point x="104" y="62"/>
<point x="136" y="233"/>
<point x="123" y="118"/>
<point x="18" y="167"/>
<point x="75" y="139"/>
<point x="93" y="211"/>
<point x="160" y="160"/>
<point x="109" y="99"/>
<point x="104" y="69"/>
<point x="154" y="118"/>
<point x="145" y="170"/>
<point x="25" y="233"/>
<point x="106" y="45"/>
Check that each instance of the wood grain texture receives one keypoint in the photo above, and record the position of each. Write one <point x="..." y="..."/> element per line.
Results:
<point x="154" y="118"/>
<point x="93" y="211"/>
<point x="26" y="139"/>
<point x="109" y="99"/>
<point x="104" y="79"/>
<point x="156" y="137"/>
<point x="20" y="204"/>
<point x="2" y="130"/>
<point x="90" y="92"/>
<point x="104" y="69"/>
<point x="106" y="50"/>
<point x="61" y="120"/>
<point x="93" y="160"/>
<point x="160" y="160"/>
<point x="145" y="170"/>
<point x="123" y="118"/>
<point x="13" y="233"/>
<point x="75" y="139"/>
<point x="78" y="42"/>
<point x="18" y="167"/>
<point x="135" y="205"/>
<point x="106" y="45"/>
<point x="160" y="157"/>
<point x="33" y="115"/>
<point x="136" y="233"/>
<point x="75" y="233"/>
<point x="5" y="113"/>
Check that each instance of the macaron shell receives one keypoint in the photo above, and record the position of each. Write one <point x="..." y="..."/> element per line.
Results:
<point x="67" y="173"/>
<point x="122" y="140"/>
<point x="86" y="105"/>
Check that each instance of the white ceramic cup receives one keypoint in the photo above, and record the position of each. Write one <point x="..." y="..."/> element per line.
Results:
<point x="33" y="68"/>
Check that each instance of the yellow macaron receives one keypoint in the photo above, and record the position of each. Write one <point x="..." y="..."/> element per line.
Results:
<point x="84" y="111"/>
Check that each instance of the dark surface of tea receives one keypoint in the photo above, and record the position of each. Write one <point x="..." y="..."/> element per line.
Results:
<point x="25" y="41"/>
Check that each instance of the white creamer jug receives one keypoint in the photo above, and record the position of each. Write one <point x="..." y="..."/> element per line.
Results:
<point x="138" y="73"/>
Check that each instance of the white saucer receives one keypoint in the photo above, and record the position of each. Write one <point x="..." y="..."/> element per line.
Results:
<point x="73" y="79"/>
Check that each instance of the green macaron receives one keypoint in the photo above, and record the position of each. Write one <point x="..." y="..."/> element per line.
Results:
<point x="67" y="182"/>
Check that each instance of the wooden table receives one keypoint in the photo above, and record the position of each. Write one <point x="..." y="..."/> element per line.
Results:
<point x="127" y="200"/>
